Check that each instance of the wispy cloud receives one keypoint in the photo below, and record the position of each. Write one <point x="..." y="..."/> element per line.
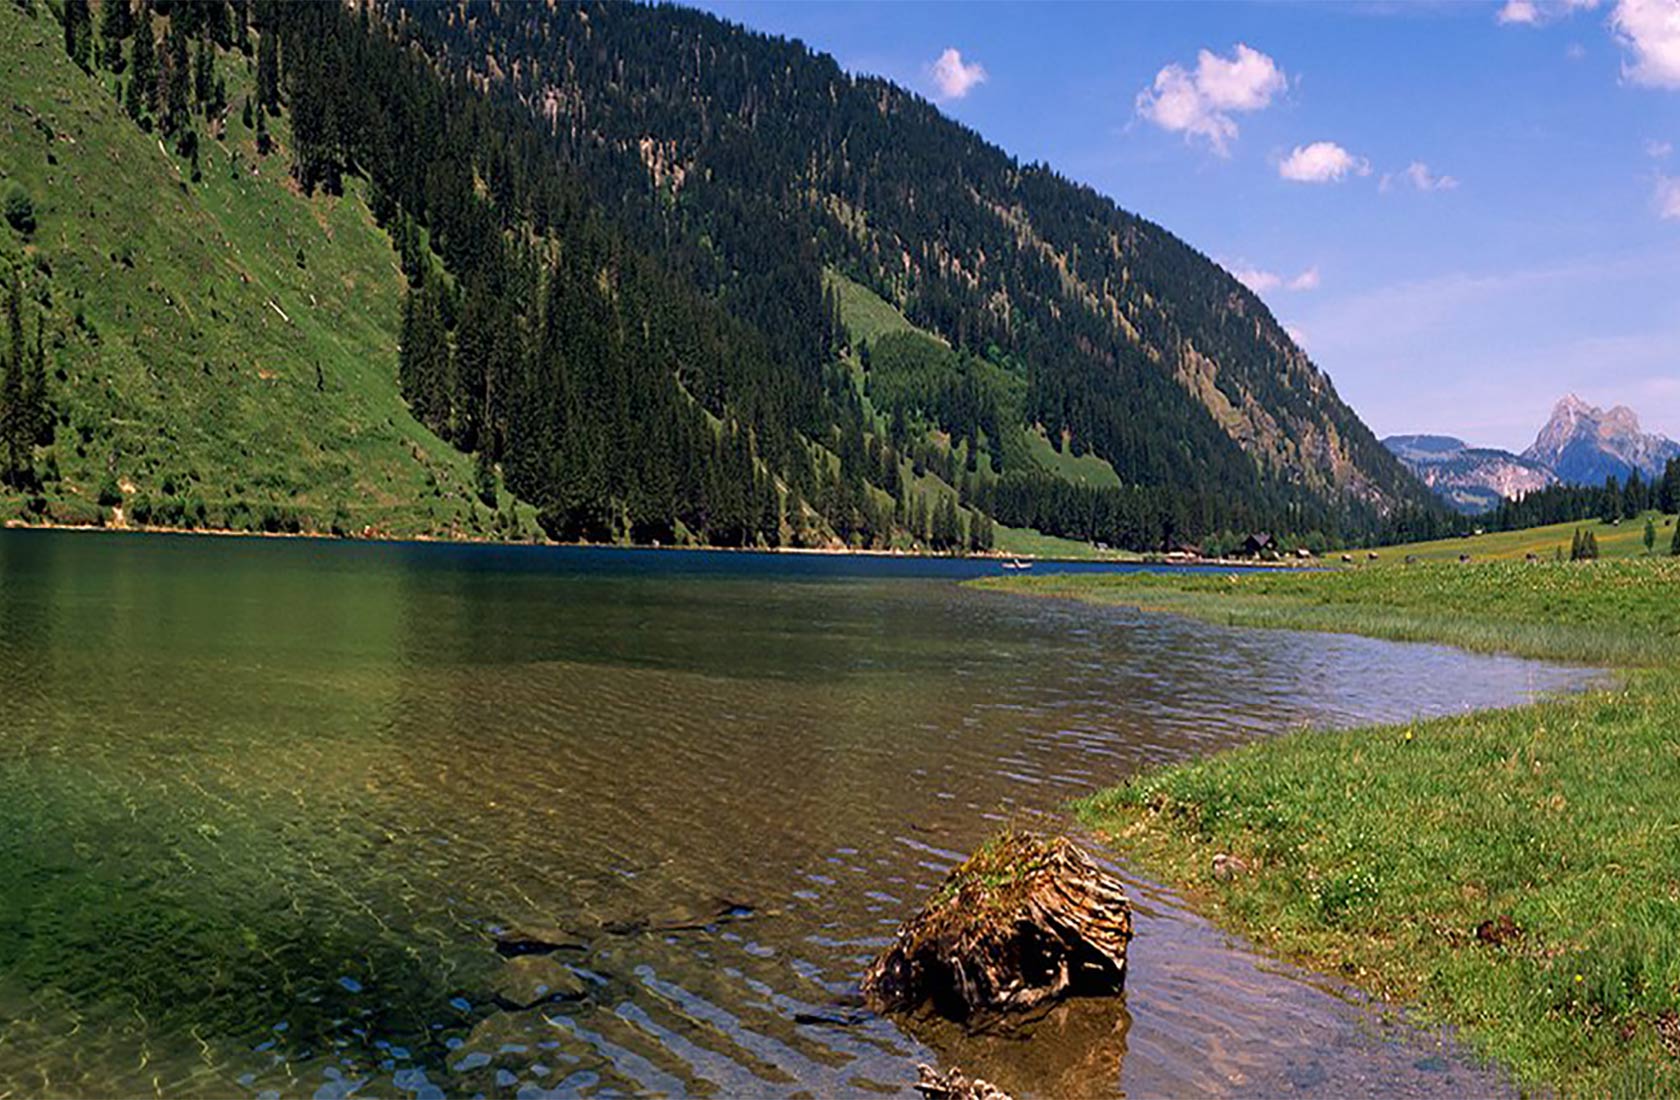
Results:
<point x="1261" y="281"/>
<point x="953" y="77"/>
<point x="1322" y="162"/>
<point x="1306" y="280"/>
<point x="1658" y="150"/>
<point x="1532" y="13"/>
<point x="1668" y="198"/>
<point x="1420" y="177"/>
<point x="1201" y="104"/>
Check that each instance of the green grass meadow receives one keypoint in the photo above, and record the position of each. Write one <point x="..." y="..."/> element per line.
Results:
<point x="1513" y="873"/>
<point x="1621" y="540"/>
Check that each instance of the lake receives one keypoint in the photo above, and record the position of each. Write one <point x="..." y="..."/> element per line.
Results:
<point x="268" y="805"/>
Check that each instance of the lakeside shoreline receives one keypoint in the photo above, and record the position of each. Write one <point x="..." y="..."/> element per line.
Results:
<point x="1113" y="558"/>
<point x="1503" y="872"/>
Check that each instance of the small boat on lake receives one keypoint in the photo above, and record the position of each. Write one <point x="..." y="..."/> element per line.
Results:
<point x="1017" y="565"/>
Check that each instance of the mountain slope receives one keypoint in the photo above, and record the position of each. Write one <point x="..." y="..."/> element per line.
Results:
<point x="737" y="151"/>
<point x="1586" y="445"/>
<point x="639" y="263"/>
<point x="219" y="352"/>
<point x="1472" y="479"/>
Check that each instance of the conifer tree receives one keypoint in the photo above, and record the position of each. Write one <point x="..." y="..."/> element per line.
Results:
<point x="268" y="70"/>
<point x="484" y="478"/>
<point x="78" y="32"/>
<point x="1668" y="489"/>
<point x="175" y="82"/>
<point x="35" y="396"/>
<point x="142" y="77"/>
<point x="22" y="398"/>
<point x="116" y="24"/>
<point x="204" y="75"/>
<point x="1674" y="543"/>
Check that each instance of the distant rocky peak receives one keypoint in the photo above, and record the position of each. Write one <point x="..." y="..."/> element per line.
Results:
<point x="1585" y="444"/>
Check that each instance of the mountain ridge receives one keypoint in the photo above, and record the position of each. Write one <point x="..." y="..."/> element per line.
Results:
<point x="618" y="310"/>
<point x="1585" y="444"/>
<point x="1471" y="479"/>
<point x="1060" y="247"/>
<point x="1580" y="444"/>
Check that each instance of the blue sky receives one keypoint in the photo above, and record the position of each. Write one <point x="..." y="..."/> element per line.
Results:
<point x="1534" y="251"/>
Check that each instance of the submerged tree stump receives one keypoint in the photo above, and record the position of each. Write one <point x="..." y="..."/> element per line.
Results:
<point x="1024" y="921"/>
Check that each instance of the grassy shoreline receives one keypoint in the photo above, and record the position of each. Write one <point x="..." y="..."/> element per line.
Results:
<point x="539" y="540"/>
<point x="1515" y="873"/>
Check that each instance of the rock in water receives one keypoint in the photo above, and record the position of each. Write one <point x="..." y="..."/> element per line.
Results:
<point x="1024" y="921"/>
<point x="952" y="1085"/>
<point x="526" y="981"/>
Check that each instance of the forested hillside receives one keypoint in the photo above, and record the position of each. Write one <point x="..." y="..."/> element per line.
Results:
<point x="748" y="160"/>
<point x="667" y="279"/>
<point x="215" y="349"/>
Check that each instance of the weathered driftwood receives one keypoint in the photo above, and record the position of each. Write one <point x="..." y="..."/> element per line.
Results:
<point x="1024" y="921"/>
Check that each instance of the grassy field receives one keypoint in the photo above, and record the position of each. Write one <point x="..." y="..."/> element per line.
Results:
<point x="1086" y="469"/>
<point x="225" y="350"/>
<point x="1624" y="540"/>
<point x="1515" y="873"/>
<point x="866" y="314"/>
<point x="1029" y="543"/>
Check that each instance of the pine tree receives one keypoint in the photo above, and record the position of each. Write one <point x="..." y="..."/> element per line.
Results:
<point x="175" y="82"/>
<point x="16" y="424"/>
<point x="1668" y="489"/>
<point x="264" y="143"/>
<point x="116" y="24"/>
<point x="484" y="478"/>
<point x="1584" y="547"/>
<point x="1650" y="534"/>
<point x="142" y="77"/>
<point x="1674" y="543"/>
<point x="268" y="70"/>
<point x="204" y="75"/>
<point x="37" y="404"/>
<point x="78" y="32"/>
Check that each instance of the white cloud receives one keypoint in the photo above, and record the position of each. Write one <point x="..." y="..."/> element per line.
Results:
<point x="1668" y="197"/>
<point x="1322" y="162"/>
<point x="1260" y="280"/>
<point x="1257" y="280"/>
<point x="1425" y="180"/>
<point x="1533" y="13"/>
<point x="1650" y="31"/>
<point x="955" y="77"/>
<point x="1658" y="150"/>
<point x="1200" y="104"/>
<point x="1519" y="11"/>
